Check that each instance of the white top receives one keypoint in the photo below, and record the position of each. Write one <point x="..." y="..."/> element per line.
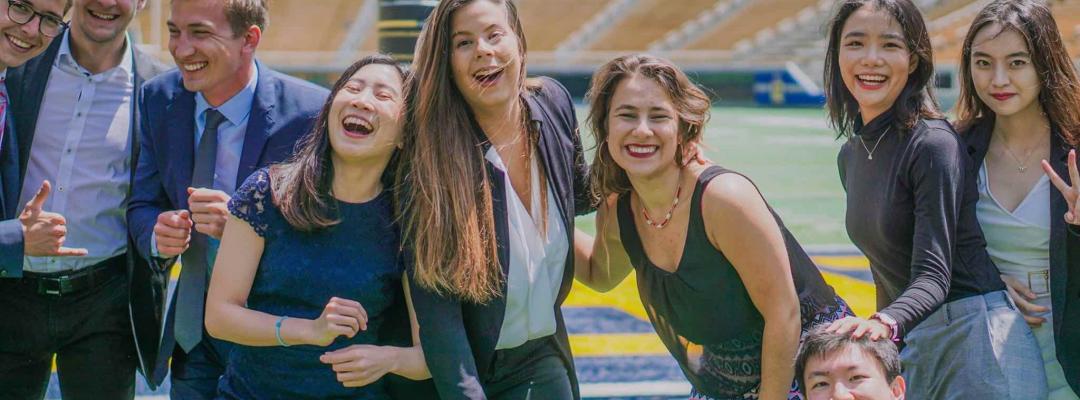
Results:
<point x="82" y="145"/>
<point x="536" y="262"/>
<point x="1018" y="241"/>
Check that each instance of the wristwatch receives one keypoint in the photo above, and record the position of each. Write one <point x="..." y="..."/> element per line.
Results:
<point x="889" y="322"/>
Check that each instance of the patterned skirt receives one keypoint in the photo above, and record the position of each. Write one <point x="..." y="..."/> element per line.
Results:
<point x="827" y="315"/>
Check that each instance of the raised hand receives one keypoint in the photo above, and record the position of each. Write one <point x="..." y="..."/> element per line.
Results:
<point x="208" y="210"/>
<point x="340" y="317"/>
<point x="172" y="233"/>
<point x="1070" y="192"/>
<point x="359" y="365"/>
<point x="44" y="232"/>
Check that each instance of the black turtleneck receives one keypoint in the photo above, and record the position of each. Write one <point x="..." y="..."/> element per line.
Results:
<point x="911" y="210"/>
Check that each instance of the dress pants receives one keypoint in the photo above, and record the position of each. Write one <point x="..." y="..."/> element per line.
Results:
<point x="532" y="371"/>
<point x="195" y="375"/>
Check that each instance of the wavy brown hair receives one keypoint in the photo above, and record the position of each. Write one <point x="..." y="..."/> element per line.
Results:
<point x="443" y="194"/>
<point x="691" y="104"/>
<point x="915" y="101"/>
<point x="1059" y="94"/>
<point x="302" y="186"/>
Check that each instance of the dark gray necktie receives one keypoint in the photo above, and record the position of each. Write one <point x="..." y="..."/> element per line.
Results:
<point x="191" y="295"/>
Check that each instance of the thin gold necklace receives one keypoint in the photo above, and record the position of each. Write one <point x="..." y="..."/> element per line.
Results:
<point x="1021" y="166"/>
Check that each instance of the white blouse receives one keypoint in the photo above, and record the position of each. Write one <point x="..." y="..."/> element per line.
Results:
<point x="537" y="261"/>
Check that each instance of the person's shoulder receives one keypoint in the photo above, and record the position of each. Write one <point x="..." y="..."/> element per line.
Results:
<point x="148" y="65"/>
<point x="936" y="133"/>
<point x="551" y="90"/>
<point x="729" y="190"/>
<point x="167" y="84"/>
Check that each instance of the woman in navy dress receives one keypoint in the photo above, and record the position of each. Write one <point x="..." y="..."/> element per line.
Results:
<point x="725" y="285"/>
<point x="309" y="270"/>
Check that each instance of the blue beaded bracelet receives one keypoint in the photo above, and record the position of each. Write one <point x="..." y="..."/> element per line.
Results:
<point x="277" y="331"/>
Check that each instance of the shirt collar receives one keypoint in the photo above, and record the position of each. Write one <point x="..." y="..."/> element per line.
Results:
<point x="237" y="108"/>
<point x="65" y="59"/>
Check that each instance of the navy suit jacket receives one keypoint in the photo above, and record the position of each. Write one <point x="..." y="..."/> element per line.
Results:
<point x="11" y="237"/>
<point x="458" y="337"/>
<point x="284" y="110"/>
<point x="1064" y="251"/>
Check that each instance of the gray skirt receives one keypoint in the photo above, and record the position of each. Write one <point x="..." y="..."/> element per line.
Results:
<point x="974" y="348"/>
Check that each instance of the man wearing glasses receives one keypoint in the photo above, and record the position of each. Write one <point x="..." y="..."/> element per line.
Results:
<point x="75" y="109"/>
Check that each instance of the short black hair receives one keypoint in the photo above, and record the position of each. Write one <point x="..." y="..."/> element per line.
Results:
<point x="820" y="342"/>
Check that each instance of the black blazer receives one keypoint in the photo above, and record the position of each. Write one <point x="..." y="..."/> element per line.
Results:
<point x="27" y="88"/>
<point x="1064" y="252"/>
<point x="459" y="337"/>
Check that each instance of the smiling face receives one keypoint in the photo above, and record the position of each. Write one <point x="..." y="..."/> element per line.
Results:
<point x="874" y="60"/>
<point x="365" y="116"/>
<point x="1002" y="71"/>
<point x="208" y="53"/>
<point x="486" y="55"/>
<point x="849" y="374"/>
<point x="22" y="42"/>
<point x="104" y="20"/>
<point x="643" y="127"/>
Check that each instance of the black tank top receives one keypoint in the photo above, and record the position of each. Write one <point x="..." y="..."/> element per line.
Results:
<point x="702" y="311"/>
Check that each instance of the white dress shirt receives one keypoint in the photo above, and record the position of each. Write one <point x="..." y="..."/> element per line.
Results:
<point x="82" y="145"/>
<point x="537" y="261"/>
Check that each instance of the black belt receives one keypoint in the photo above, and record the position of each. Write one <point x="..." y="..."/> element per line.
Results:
<point x="71" y="282"/>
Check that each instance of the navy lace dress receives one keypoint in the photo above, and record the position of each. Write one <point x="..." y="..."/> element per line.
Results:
<point x="703" y="313"/>
<point x="299" y="272"/>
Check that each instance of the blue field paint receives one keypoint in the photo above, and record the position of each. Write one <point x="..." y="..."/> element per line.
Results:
<point x="600" y="320"/>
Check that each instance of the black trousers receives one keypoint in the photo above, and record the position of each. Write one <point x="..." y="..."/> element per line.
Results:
<point x="89" y="333"/>
<point x="532" y="371"/>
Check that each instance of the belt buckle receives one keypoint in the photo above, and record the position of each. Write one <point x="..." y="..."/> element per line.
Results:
<point x="1039" y="282"/>
<point x="54" y="286"/>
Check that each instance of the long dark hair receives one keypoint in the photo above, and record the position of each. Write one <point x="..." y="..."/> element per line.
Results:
<point x="1059" y="94"/>
<point x="915" y="101"/>
<point x="691" y="104"/>
<point x="302" y="186"/>
<point x="443" y="194"/>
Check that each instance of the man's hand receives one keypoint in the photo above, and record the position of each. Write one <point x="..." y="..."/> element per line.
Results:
<point x="44" y="232"/>
<point x="208" y="210"/>
<point x="172" y="233"/>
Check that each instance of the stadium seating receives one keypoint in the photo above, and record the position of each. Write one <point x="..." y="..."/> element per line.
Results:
<point x="748" y="21"/>
<point x="648" y="22"/>
<point x="548" y="22"/>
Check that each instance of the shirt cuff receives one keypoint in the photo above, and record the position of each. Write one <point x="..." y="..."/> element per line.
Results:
<point x="153" y="245"/>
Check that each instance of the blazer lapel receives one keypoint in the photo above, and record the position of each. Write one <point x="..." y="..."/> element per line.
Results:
<point x="556" y="163"/>
<point x="1059" y="153"/>
<point x="260" y="124"/>
<point x="181" y="139"/>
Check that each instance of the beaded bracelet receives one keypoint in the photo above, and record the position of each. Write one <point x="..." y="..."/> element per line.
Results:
<point x="277" y="331"/>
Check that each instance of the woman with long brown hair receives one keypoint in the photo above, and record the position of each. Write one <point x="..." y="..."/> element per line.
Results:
<point x="491" y="178"/>
<point x="310" y="258"/>
<point x="725" y="284"/>
<point x="1019" y="102"/>
<point x="911" y="210"/>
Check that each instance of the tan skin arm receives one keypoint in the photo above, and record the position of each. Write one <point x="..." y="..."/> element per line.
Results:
<point x="601" y="263"/>
<point x="758" y="252"/>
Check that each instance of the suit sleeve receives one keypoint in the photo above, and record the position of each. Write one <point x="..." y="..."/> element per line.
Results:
<point x="11" y="232"/>
<point x="148" y="197"/>
<point x="446" y="346"/>
<point x="560" y="100"/>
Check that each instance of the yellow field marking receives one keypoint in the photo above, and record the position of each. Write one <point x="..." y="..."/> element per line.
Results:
<point x="618" y="344"/>
<point x="843" y="262"/>
<point x="858" y="294"/>
<point x="624" y="297"/>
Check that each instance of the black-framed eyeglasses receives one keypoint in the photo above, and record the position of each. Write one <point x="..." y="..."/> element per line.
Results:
<point x="22" y="13"/>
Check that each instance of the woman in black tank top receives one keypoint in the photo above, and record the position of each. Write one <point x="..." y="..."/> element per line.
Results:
<point x="725" y="285"/>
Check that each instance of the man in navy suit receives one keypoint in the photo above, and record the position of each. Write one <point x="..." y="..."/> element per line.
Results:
<point x="206" y="127"/>
<point x="74" y="119"/>
<point x="23" y="28"/>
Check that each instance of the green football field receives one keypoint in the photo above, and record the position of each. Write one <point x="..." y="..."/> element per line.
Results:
<point x="789" y="153"/>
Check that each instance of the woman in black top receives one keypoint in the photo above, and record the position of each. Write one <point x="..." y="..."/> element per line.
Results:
<point x="492" y="176"/>
<point x="726" y="286"/>
<point x="911" y="209"/>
